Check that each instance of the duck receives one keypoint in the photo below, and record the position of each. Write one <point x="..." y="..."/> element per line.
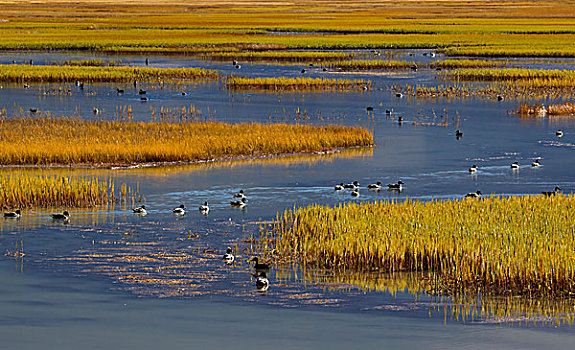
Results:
<point x="240" y="194"/>
<point x="476" y="194"/>
<point x="144" y="98"/>
<point x="399" y="94"/>
<point x="142" y="92"/>
<point x="559" y="133"/>
<point x="184" y="93"/>
<point x="515" y="165"/>
<point x="238" y="66"/>
<point x="369" y="109"/>
<point x="458" y="134"/>
<point x="60" y="216"/>
<point x="396" y="187"/>
<point x="552" y="193"/>
<point x="352" y="186"/>
<point x="240" y="203"/>
<point x="228" y="257"/>
<point x="338" y="187"/>
<point x="140" y="210"/>
<point x="119" y="91"/>
<point x="259" y="267"/>
<point x="262" y="282"/>
<point x="13" y="214"/>
<point x="536" y="163"/>
<point x="473" y="169"/>
<point x="375" y="186"/>
<point x="181" y="210"/>
<point x="355" y="193"/>
<point x="204" y="209"/>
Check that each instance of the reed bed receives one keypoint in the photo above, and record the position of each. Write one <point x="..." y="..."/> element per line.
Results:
<point x="566" y="109"/>
<point x="516" y="245"/>
<point x="362" y="65"/>
<point x="88" y="63"/>
<point x="462" y="63"/>
<point x="282" y="84"/>
<point x="529" y="78"/>
<point x="279" y="56"/>
<point x="45" y="140"/>
<point x="33" y="191"/>
<point x="61" y="74"/>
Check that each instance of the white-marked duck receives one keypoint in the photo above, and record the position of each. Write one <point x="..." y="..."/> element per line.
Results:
<point x="13" y="214"/>
<point x="181" y="210"/>
<point x="204" y="209"/>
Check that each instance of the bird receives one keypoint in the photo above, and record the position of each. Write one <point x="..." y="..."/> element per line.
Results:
<point x="147" y="61"/>
<point x="120" y="91"/>
<point x="181" y="210"/>
<point x="303" y="71"/>
<point x="259" y="267"/>
<point x="142" y="92"/>
<point x="240" y="194"/>
<point x="352" y="186"/>
<point x="375" y="186"/>
<point x="240" y="203"/>
<point x="476" y="194"/>
<point x="33" y="110"/>
<point x="536" y="163"/>
<point x="184" y="93"/>
<point x="140" y="210"/>
<point x="396" y="187"/>
<point x="458" y="134"/>
<point x="399" y="94"/>
<point x="60" y="216"/>
<point x="228" y="257"/>
<point x="262" y="282"/>
<point x="414" y="67"/>
<point x="499" y="98"/>
<point x="473" y="169"/>
<point x="238" y="66"/>
<point x="13" y="214"/>
<point x="515" y="165"/>
<point x="552" y="193"/>
<point x="369" y="108"/>
<point x="559" y="133"/>
<point x="204" y="209"/>
<point x="355" y="193"/>
<point x="338" y="187"/>
<point x="144" y="98"/>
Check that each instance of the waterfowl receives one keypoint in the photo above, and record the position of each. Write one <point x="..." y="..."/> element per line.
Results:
<point x="375" y="186"/>
<point x="120" y="91"/>
<point x="473" y="169"/>
<point x="262" y="282"/>
<point x="181" y="210"/>
<point x="352" y="186"/>
<point x="499" y="98"/>
<point x="552" y="193"/>
<point x="414" y="67"/>
<point x="400" y="120"/>
<point x="240" y="203"/>
<point x="303" y="71"/>
<point x="26" y="86"/>
<point x="238" y="66"/>
<point x="369" y="108"/>
<point x="184" y="93"/>
<point x="396" y="187"/>
<point x="14" y="214"/>
<point x="388" y="111"/>
<point x="147" y="61"/>
<point x="240" y="194"/>
<point x="33" y="110"/>
<point x="476" y="194"/>
<point x="432" y="54"/>
<point x="228" y="257"/>
<point x="515" y="165"/>
<point x="204" y="209"/>
<point x="559" y="133"/>
<point x="536" y="163"/>
<point x="60" y="216"/>
<point x="355" y="193"/>
<point x="144" y="98"/>
<point x="259" y="267"/>
<point x="458" y="134"/>
<point x="338" y="187"/>
<point x="142" y="92"/>
<point x="140" y="210"/>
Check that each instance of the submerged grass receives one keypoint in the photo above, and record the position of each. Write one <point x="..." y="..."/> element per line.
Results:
<point x="517" y="245"/>
<point x="45" y="140"/>
<point x="282" y="84"/>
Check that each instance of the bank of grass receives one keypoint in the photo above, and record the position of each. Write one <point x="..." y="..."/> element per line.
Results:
<point x="516" y="245"/>
<point x="278" y="56"/>
<point x="47" y="141"/>
<point x="60" y="74"/>
<point x="566" y="109"/>
<point x="283" y="84"/>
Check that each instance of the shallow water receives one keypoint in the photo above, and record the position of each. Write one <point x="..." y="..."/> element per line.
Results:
<point x="108" y="269"/>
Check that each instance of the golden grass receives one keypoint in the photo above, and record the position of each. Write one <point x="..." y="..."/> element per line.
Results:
<point x="566" y="109"/>
<point x="45" y="140"/>
<point x="520" y="245"/>
<point x="282" y="84"/>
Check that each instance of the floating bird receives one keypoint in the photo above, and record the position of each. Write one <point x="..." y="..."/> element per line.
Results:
<point x="235" y="63"/>
<point x="238" y="66"/>
<point x="259" y="267"/>
<point x="147" y="61"/>
<point x="26" y="86"/>
<point x="96" y="111"/>
<point x="303" y="71"/>
<point x="120" y="91"/>
<point x="369" y="109"/>
<point x="184" y="93"/>
<point x="262" y="282"/>
<point x="228" y="257"/>
<point x="240" y="194"/>
<point x="142" y="92"/>
<point x="181" y="210"/>
<point x="396" y="187"/>
<point x="33" y="110"/>
<point x="432" y="54"/>
<point x="552" y="193"/>
<point x="60" y="216"/>
<point x="388" y="111"/>
<point x="414" y="67"/>
<point x="559" y="133"/>
<point x="536" y="163"/>
<point x="13" y="214"/>
<point x="458" y="134"/>
<point x="473" y="169"/>
<point x="338" y="187"/>
<point x="204" y="209"/>
<point x="355" y="193"/>
<point x="140" y="210"/>
<point x="476" y="194"/>
<point x="144" y="98"/>
<point x="375" y="186"/>
<point x="499" y="98"/>
<point x="515" y="165"/>
<point x="240" y="203"/>
<point x="399" y="94"/>
<point x="400" y="120"/>
<point x="352" y="186"/>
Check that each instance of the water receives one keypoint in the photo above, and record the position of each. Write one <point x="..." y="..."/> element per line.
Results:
<point x="111" y="272"/>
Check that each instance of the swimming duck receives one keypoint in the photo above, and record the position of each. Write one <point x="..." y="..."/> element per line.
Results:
<point x="473" y="169"/>
<point x="552" y="193"/>
<point x="240" y="194"/>
<point x="228" y="257"/>
<point x="14" y="214"/>
<point x="338" y="187"/>
<point x="559" y="133"/>
<point x="181" y="210"/>
<point x="240" y="203"/>
<point x="119" y="91"/>
<point x="399" y="94"/>
<point x="60" y="216"/>
<point x="259" y="267"/>
<point x="144" y="98"/>
<point x="458" y="134"/>
<point x="375" y="186"/>
<point x="515" y="165"/>
<point x="352" y="186"/>
<point x="476" y="194"/>
<point x="184" y="93"/>
<point x="536" y="163"/>
<point x="204" y="209"/>
<point x="262" y="282"/>
<point x="355" y="193"/>
<point x="140" y="210"/>
<point x="142" y="92"/>
<point x="396" y="187"/>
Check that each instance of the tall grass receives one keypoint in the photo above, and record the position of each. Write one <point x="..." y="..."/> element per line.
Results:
<point x="566" y="109"/>
<point x="45" y="140"/>
<point x="521" y="245"/>
<point x="282" y="84"/>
